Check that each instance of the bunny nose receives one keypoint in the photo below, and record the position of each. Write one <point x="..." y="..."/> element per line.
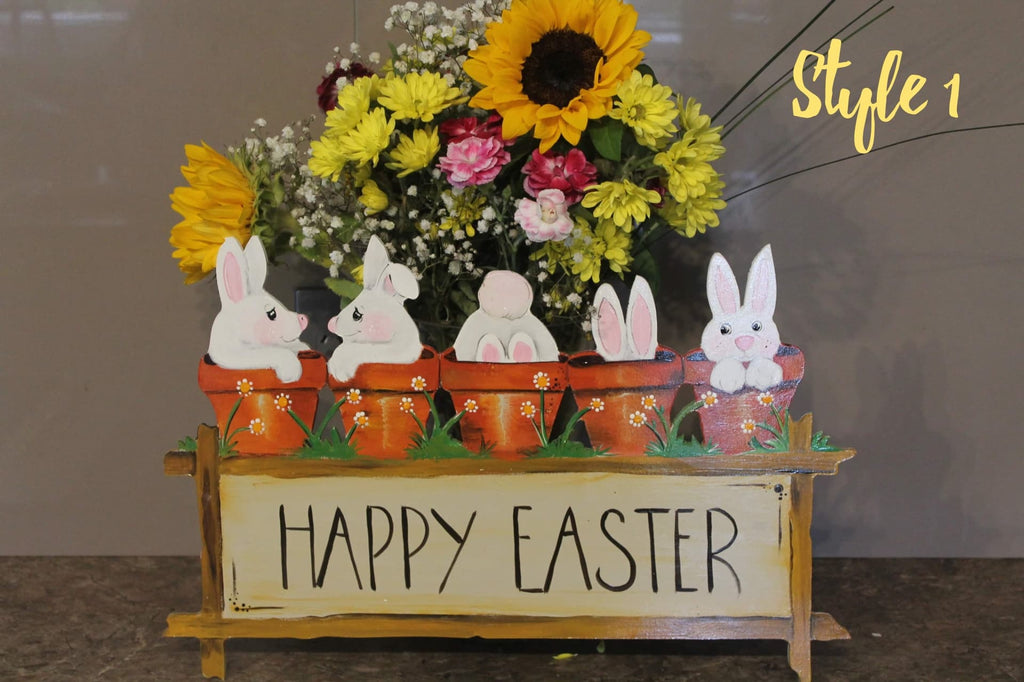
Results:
<point x="303" y="321"/>
<point x="745" y="342"/>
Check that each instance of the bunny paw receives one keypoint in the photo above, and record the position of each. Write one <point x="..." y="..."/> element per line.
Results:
<point x="339" y="369"/>
<point x="728" y="375"/>
<point x="763" y="373"/>
<point x="289" y="371"/>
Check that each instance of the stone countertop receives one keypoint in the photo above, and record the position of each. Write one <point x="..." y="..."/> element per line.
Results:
<point x="89" y="618"/>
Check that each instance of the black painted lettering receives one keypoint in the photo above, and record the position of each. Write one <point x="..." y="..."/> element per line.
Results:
<point x="285" y="528"/>
<point x="516" y="537"/>
<point x="629" y="557"/>
<point x="679" y="561"/>
<point x="568" y="530"/>
<point x="460" y="539"/>
<point x="713" y="553"/>
<point x="369" y="540"/>
<point x="338" y="523"/>
<point x="650" y="512"/>
<point x="407" y="553"/>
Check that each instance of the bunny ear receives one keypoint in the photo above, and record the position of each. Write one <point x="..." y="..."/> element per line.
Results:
<point x="399" y="281"/>
<point x="607" y="325"/>
<point x="489" y="349"/>
<point x="232" y="272"/>
<point x="375" y="260"/>
<point x="642" y="320"/>
<point x="761" y="283"/>
<point x="723" y="291"/>
<point x="521" y="348"/>
<point x="256" y="257"/>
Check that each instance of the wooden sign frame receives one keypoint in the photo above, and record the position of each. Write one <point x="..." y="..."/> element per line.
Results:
<point x="799" y="466"/>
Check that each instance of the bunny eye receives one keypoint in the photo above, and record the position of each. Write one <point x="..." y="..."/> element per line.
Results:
<point x="756" y="326"/>
<point x="356" y="315"/>
<point x="272" y="314"/>
<point x="725" y="329"/>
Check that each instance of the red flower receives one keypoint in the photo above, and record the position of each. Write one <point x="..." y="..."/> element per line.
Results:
<point x="571" y="174"/>
<point x="327" y="91"/>
<point x="458" y="129"/>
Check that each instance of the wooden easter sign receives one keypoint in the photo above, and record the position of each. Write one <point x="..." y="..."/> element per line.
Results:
<point x="615" y="547"/>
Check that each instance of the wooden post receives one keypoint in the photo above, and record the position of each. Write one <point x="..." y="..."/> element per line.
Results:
<point x="800" y="575"/>
<point x="207" y="477"/>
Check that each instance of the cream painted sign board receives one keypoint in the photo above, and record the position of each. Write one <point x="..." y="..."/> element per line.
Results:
<point x="541" y="544"/>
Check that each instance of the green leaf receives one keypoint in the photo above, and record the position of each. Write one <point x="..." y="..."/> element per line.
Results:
<point x="646" y="70"/>
<point x="645" y="266"/>
<point x="606" y="134"/>
<point x="345" y="288"/>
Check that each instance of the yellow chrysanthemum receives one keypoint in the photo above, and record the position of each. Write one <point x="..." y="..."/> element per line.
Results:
<point x="551" y="65"/>
<point x="373" y="198"/>
<point x="696" y="214"/>
<point x="416" y="152"/>
<point x="621" y="201"/>
<point x="218" y="203"/>
<point x="353" y="103"/>
<point x="418" y="95"/>
<point x="688" y="161"/>
<point x="647" y="108"/>
<point x="362" y="144"/>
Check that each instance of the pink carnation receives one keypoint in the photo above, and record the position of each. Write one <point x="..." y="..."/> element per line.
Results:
<point x="545" y="219"/>
<point x="571" y="174"/>
<point x="474" y="161"/>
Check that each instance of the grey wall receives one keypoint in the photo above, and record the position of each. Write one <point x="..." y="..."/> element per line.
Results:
<point x="898" y="271"/>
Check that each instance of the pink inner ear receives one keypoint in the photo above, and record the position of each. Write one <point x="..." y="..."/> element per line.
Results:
<point x="522" y="352"/>
<point x="389" y="287"/>
<point x="725" y="293"/>
<point x="760" y="292"/>
<point x="641" y="325"/>
<point x="608" y="326"/>
<point x="490" y="353"/>
<point x="234" y="282"/>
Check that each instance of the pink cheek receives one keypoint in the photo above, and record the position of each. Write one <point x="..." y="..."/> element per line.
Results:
<point x="266" y="332"/>
<point x="378" y="328"/>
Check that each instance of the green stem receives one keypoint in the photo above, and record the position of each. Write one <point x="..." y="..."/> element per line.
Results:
<point x="773" y="58"/>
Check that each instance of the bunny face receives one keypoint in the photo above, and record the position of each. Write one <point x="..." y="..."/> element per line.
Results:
<point x="253" y="330"/>
<point x="741" y="331"/>
<point x="375" y="326"/>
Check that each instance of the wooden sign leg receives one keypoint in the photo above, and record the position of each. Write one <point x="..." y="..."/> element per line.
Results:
<point x="207" y="477"/>
<point x="800" y="576"/>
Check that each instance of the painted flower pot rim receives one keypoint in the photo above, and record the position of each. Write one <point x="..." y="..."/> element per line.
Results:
<point x="389" y="376"/>
<point x="589" y="371"/>
<point x="697" y="368"/>
<point x="216" y="379"/>
<point x="462" y="375"/>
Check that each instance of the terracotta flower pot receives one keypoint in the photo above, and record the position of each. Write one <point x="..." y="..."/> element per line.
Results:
<point x="264" y="405"/>
<point x="497" y="396"/>
<point x="382" y="397"/>
<point x="615" y="390"/>
<point x="729" y="419"/>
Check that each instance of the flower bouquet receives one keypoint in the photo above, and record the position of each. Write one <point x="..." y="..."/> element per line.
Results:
<point x="527" y="136"/>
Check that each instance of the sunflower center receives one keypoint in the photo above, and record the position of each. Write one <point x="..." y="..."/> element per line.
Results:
<point x="560" y="64"/>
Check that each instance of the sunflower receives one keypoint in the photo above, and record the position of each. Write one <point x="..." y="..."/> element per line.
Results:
<point x="218" y="203"/>
<point x="551" y="65"/>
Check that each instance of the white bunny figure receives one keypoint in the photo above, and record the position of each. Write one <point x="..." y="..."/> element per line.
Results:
<point x="375" y="326"/>
<point x="633" y="337"/>
<point x="253" y="330"/>
<point x="504" y="329"/>
<point x="742" y="339"/>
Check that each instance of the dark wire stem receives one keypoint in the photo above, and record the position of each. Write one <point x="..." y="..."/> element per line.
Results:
<point x="877" y="149"/>
<point x="761" y="98"/>
<point x="773" y="58"/>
